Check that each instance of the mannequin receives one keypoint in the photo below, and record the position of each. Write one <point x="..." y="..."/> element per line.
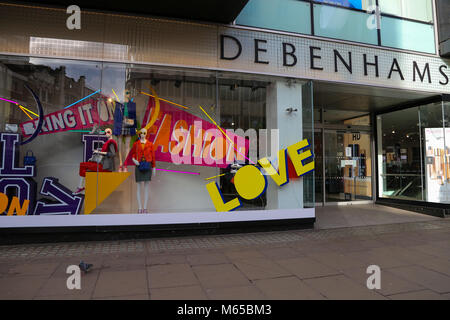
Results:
<point x="101" y="161"/>
<point x="125" y="127"/>
<point x="143" y="151"/>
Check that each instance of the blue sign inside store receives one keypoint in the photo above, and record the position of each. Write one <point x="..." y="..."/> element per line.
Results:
<point x="356" y="4"/>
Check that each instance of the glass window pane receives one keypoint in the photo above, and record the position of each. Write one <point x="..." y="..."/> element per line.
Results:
<point x="354" y="4"/>
<point x="435" y="184"/>
<point x="446" y="199"/>
<point x="339" y="23"/>
<point x="397" y="33"/>
<point x="399" y="155"/>
<point x="413" y="9"/>
<point x="285" y="15"/>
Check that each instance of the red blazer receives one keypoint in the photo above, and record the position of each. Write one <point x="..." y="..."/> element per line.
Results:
<point x="148" y="153"/>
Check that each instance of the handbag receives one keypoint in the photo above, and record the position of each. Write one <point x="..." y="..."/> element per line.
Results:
<point x="144" y="165"/>
<point x="29" y="160"/>
<point x="128" y="122"/>
<point x="96" y="157"/>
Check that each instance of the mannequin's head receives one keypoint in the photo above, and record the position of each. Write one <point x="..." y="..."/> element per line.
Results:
<point x="108" y="133"/>
<point x="143" y="133"/>
<point x="127" y="95"/>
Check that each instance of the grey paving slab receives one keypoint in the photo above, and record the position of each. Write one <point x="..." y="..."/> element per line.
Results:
<point x="221" y="275"/>
<point x="435" y="281"/>
<point x="289" y="288"/>
<point x="431" y="249"/>
<point x="281" y="253"/>
<point x="132" y="297"/>
<point x="121" y="283"/>
<point x="261" y="268"/>
<point x="390" y="283"/>
<point x="171" y="275"/>
<point x="414" y="257"/>
<point x="57" y="286"/>
<point x="337" y="261"/>
<point x="243" y="254"/>
<point x="418" y="295"/>
<point x="306" y="267"/>
<point x="341" y="287"/>
<point x="21" y="287"/>
<point x="440" y="265"/>
<point x="207" y="258"/>
<point x="155" y="259"/>
<point x="235" y="293"/>
<point x="178" y="293"/>
<point x="384" y="258"/>
<point x="42" y="269"/>
<point x="124" y="263"/>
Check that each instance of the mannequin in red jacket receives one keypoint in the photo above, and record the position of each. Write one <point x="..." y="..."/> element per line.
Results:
<point x="103" y="163"/>
<point x="143" y="150"/>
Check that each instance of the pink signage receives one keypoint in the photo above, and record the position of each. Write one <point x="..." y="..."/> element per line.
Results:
<point x="183" y="138"/>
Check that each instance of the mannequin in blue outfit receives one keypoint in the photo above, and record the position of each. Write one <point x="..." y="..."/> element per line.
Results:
<point x="125" y="127"/>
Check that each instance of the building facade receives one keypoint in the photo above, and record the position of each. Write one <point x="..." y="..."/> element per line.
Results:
<point x="284" y="106"/>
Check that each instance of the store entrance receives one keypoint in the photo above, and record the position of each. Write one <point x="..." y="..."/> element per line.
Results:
<point x="343" y="146"/>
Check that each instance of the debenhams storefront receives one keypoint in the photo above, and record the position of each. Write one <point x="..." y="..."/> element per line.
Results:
<point x="135" y="121"/>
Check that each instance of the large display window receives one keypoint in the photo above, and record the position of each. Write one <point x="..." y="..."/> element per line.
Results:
<point x="413" y="154"/>
<point x="92" y="138"/>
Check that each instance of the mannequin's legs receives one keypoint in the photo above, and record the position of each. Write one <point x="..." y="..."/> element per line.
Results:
<point x="119" y="144"/>
<point x="81" y="185"/>
<point x="147" y="187"/>
<point x="138" y="192"/>
<point x="127" y="151"/>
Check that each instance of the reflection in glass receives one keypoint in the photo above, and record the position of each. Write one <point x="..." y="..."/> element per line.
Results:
<point x="347" y="166"/>
<point x="413" y="155"/>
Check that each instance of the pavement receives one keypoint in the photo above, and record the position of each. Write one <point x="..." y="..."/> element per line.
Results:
<point x="414" y="258"/>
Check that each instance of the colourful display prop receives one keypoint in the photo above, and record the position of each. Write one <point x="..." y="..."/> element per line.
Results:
<point x="281" y="177"/>
<point x="180" y="137"/>
<point x="218" y="201"/>
<point x="99" y="185"/>
<point x="250" y="183"/>
<point x="81" y="116"/>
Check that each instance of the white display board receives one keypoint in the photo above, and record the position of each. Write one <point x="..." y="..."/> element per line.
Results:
<point x="437" y="163"/>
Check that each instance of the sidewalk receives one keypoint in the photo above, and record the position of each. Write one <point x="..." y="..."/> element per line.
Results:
<point x="307" y="264"/>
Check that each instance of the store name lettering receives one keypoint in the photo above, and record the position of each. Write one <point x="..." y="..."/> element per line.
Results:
<point x="231" y="49"/>
<point x="251" y="183"/>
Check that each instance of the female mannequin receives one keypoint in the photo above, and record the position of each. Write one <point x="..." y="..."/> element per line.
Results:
<point x="103" y="160"/>
<point x="143" y="151"/>
<point x="125" y="126"/>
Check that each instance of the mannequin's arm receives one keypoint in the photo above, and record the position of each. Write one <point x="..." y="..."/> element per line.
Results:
<point x="135" y="161"/>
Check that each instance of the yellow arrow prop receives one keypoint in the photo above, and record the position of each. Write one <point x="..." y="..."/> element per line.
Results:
<point x="156" y="113"/>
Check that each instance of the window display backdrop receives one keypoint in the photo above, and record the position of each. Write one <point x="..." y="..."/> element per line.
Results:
<point x="123" y="139"/>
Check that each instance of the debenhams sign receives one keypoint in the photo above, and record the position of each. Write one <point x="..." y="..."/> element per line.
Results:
<point x="331" y="61"/>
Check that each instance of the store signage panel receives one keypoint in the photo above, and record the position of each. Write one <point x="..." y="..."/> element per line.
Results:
<point x="196" y="45"/>
<point x="285" y="55"/>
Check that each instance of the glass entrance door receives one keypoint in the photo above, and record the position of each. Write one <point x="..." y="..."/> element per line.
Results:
<point x="348" y="169"/>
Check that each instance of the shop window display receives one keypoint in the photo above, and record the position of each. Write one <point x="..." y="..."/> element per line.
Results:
<point x="124" y="139"/>
<point x="413" y="154"/>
